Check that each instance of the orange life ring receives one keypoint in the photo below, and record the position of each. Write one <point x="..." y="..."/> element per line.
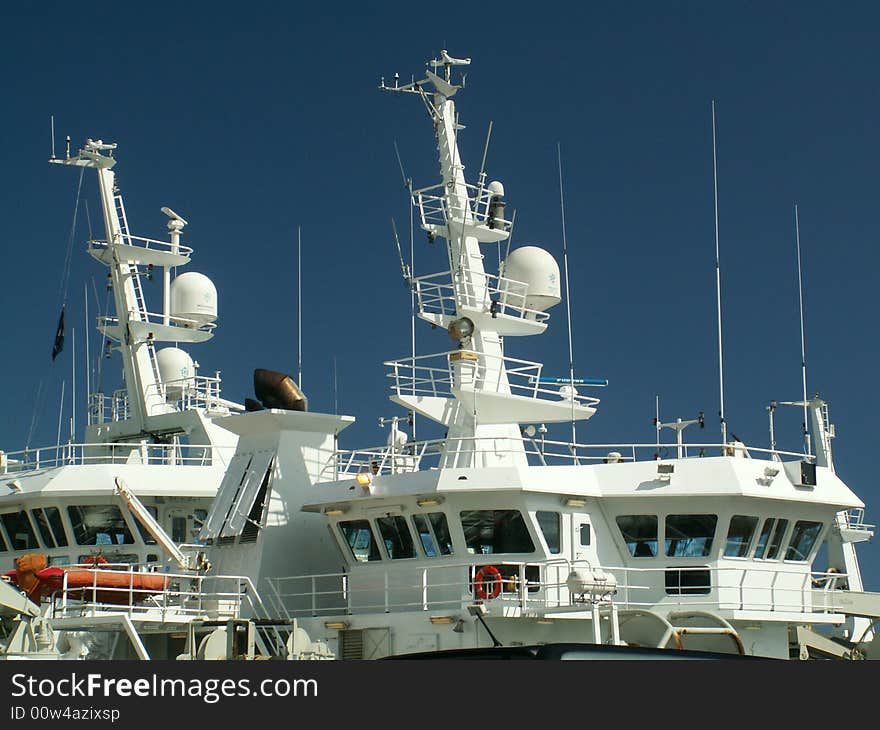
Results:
<point x="487" y="583"/>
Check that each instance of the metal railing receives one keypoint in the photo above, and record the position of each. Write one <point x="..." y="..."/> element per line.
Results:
<point x="437" y="374"/>
<point x="114" y="453"/>
<point x="434" y="210"/>
<point x="449" y="586"/>
<point x="149" y="244"/>
<point x="418" y="455"/>
<point x="441" y="293"/>
<point x="107" y="322"/>
<point x="87" y="591"/>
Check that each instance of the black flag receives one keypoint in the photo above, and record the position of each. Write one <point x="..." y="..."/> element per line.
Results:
<point x="59" y="336"/>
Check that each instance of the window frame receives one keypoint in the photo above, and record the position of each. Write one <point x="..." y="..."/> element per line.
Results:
<point x="351" y="554"/>
<point x="400" y="519"/>
<point x="134" y="534"/>
<point x="524" y="519"/>
<point x="426" y="516"/>
<point x="750" y="544"/>
<point x="783" y="539"/>
<point x="543" y="532"/>
<point x="657" y="539"/>
<point x="35" y="533"/>
<point x="817" y="541"/>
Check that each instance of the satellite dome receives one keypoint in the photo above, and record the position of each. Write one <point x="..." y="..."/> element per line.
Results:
<point x="194" y="296"/>
<point x="177" y="371"/>
<point x="536" y="268"/>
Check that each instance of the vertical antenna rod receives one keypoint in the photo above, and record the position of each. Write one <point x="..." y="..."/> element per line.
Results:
<point x="797" y="229"/>
<point x="567" y="294"/>
<point x="718" y="283"/>
<point x="52" y="133"/>
<point x="88" y="362"/>
<point x="299" y="309"/>
<point x="73" y="387"/>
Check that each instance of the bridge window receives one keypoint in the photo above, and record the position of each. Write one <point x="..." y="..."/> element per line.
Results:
<point x="739" y="536"/>
<point x="359" y="536"/>
<point x="99" y="524"/>
<point x="803" y="537"/>
<point x="20" y="531"/>
<point x="433" y="531"/>
<point x="688" y="582"/>
<point x="550" y="528"/>
<point x="690" y="536"/>
<point x="640" y="534"/>
<point x="770" y="539"/>
<point x="496" y="531"/>
<point x="49" y="524"/>
<point x="396" y="536"/>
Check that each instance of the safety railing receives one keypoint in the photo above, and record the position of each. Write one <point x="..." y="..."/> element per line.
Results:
<point x="855" y="520"/>
<point x="196" y="391"/>
<point x="513" y="589"/>
<point x="114" y="453"/>
<point x="148" y="244"/>
<point x="441" y="294"/>
<point x="89" y="590"/>
<point x="107" y="323"/>
<point x="476" y="208"/>
<point x="438" y="374"/>
<point x="419" y="455"/>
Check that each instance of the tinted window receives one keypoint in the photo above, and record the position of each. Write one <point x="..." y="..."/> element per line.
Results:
<point x="496" y="531"/>
<point x="776" y="539"/>
<point x="764" y="537"/>
<point x="585" y="535"/>
<point x="99" y="524"/>
<point x="433" y="532"/>
<point x="803" y="537"/>
<point x="739" y="535"/>
<point x="681" y="582"/>
<point x="396" y="536"/>
<point x="690" y="536"/>
<point x="640" y="534"/>
<point x="359" y="536"/>
<point x="549" y="524"/>
<point x="49" y="524"/>
<point x="20" y="532"/>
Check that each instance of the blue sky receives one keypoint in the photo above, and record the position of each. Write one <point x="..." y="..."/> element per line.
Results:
<point x="251" y="123"/>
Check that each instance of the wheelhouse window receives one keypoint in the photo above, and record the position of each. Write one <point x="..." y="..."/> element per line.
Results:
<point x="739" y="536"/>
<point x="803" y="537"/>
<point x="359" y="536"/>
<point x="99" y="524"/>
<point x="20" y="531"/>
<point x="770" y="539"/>
<point x="488" y="532"/>
<point x="433" y="532"/>
<point x="690" y="536"/>
<point x="549" y="522"/>
<point x="50" y="526"/>
<point x="396" y="536"/>
<point x="640" y="534"/>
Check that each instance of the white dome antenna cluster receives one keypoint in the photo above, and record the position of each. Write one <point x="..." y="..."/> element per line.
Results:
<point x="535" y="267"/>
<point x="194" y="297"/>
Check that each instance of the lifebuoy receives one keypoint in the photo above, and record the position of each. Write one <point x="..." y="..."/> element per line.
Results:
<point x="487" y="583"/>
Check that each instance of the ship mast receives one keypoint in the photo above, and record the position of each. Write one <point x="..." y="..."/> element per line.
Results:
<point x="486" y="401"/>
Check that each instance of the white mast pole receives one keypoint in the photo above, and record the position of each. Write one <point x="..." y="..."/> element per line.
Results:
<point x="718" y="282"/>
<point x="299" y="326"/>
<point x="567" y="296"/>
<point x="60" y="413"/>
<point x="797" y="228"/>
<point x="73" y="381"/>
<point x="88" y="362"/>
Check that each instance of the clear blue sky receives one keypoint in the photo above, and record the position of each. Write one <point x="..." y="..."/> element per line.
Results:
<point x="250" y="121"/>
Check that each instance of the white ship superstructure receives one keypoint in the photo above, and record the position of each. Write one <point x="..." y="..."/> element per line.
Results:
<point x="493" y="532"/>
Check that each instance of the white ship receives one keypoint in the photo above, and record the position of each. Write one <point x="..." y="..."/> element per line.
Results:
<point x="102" y="535"/>
<point x="495" y="534"/>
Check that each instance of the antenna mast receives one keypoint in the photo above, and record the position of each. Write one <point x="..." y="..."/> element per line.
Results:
<point x="797" y="229"/>
<point x="567" y="295"/>
<point x="299" y="308"/>
<point x="718" y="283"/>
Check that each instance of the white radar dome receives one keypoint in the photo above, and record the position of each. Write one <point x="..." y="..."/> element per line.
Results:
<point x="536" y="268"/>
<point x="177" y="370"/>
<point x="194" y="296"/>
<point x="496" y="189"/>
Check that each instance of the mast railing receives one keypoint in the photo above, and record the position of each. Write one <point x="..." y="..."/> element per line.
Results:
<point x="438" y="374"/>
<point x="97" y="247"/>
<point x="441" y="294"/>
<point x="435" y="211"/>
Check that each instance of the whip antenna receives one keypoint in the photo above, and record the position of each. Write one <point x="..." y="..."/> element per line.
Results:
<point x="567" y="296"/>
<point x="718" y="283"/>
<point x="797" y="230"/>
